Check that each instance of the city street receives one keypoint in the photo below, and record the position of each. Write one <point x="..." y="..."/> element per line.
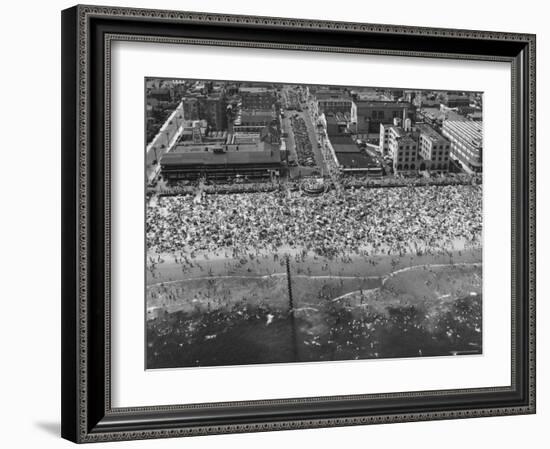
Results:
<point x="301" y="171"/>
<point x="290" y="143"/>
<point x="314" y="138"/>
<point x="291" y="101"/>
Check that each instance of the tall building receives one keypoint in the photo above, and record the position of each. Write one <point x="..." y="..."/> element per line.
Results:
<point x="209" y="107"/>
<point x="434" y="150"/>
<point x="384" y="140"/>
<point x="466" y="138"/>
<point x="214" y="111"/>
<point x="191" y="107"/>
<point x="403" y="149"/>
<point x="415" y="148"/>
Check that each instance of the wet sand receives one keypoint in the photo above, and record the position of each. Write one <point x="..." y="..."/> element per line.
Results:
<point x="208" y="266"/>
<point x="221" y="282"/>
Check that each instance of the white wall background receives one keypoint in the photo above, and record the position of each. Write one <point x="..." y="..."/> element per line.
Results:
<point x="30" y="223"/>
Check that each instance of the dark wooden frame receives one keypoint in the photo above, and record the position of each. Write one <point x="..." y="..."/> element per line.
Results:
<point x="87" y="33"/>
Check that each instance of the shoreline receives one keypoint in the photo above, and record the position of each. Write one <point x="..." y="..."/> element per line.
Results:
<point x="174" y="268"/>
<point x="263" y="281"/>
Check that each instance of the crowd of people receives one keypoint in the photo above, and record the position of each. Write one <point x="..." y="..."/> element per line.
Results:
<point x="345" y="182"/>
<point x="378" y="220"/>
<point x="392" y="181"/>
<point x="304" y="149"/>
<point x="218" y="188"/>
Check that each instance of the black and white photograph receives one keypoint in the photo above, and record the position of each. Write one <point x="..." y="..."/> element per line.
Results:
<point x="311" y="223"/>
<point x="275" y="224"/>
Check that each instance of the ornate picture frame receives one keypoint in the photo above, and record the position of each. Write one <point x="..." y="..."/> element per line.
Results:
<point x="87" y="35"/>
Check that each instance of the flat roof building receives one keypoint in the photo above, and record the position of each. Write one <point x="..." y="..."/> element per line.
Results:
<point x="253" y="160"/>
<point x="434" y="149"/>
<point x="350" y="158"/>
<point x="403" y="149"/>
<point x="466" y="138"/>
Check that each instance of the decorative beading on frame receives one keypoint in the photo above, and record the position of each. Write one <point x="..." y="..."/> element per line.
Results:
<point x="188" y="16"/>
<point x="84" y="13"/>
<point x="82" y="247"/>
<point x="532" y="222"/>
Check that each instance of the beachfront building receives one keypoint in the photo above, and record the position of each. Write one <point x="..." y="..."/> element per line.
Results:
<point x="403" y="149"/>
<point x="434" y="150"/>
<point x="350" y="158"/>
<point x="252" y="160"/>
<point x="466" y="138"/>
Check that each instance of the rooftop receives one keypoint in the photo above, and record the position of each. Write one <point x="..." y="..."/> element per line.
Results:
<point x="344" y="144"/>
<point x="404" y="136"/>
<point x="435" y="113"/>
<point x="469" y="130"/>
<point x="356" y="160"/>
<point x="250" y="146"/>
<point x="240" y="157"/>
<point x="431" y="133"/>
